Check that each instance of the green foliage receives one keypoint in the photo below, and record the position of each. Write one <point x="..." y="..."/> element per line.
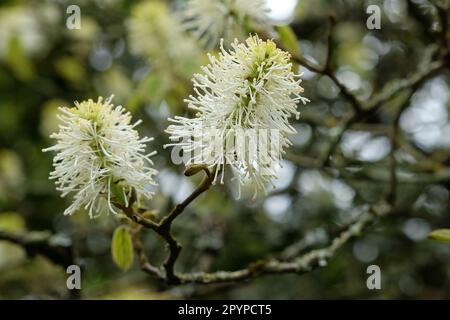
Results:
<point x="440" y="235"/>
<point x="289" y="39"/>
<point x="122" y="248"/>
<point x="43" y="65"/>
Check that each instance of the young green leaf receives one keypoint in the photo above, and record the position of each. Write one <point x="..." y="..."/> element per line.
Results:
<point x="289" y="40"/>
<point x="440" y="234"/>
<point x="122" y="248"/>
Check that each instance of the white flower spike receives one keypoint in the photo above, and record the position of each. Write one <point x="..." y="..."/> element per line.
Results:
<point x="244" y="100"/>
<point x="100" y="157"/>
<point x="211" y="20"/>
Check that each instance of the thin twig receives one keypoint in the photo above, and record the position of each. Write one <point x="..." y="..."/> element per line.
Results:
<point x="163" y="228"/>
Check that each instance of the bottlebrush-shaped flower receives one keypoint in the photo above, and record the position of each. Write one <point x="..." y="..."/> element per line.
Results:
<point x="244" y="100"/>
<point x="100" y="157"/>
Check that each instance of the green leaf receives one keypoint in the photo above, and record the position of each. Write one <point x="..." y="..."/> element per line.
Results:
<point x="117" y="191"/>
<point x="122" y="248"/>
<point x="440" y="234"/>
<point x="18" y="61"/>
<point x="289" y="40"/>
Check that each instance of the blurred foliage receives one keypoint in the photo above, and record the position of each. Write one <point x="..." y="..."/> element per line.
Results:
<point x="137" y="51"/>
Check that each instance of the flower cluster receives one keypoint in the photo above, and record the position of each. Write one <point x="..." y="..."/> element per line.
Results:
<point x="211" y="20"/>
<point x="250" y="87"/>
<point x="156" y="34"/>
<point x="100" y="157"/>
<point x="244" y="99"/>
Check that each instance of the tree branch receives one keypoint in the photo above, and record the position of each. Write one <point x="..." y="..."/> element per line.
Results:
<point x="327" y="69"/>
<point x="361" y="112"/>
<point x="56" y="248"/>
<point x="300" y="265"/>
<point x="163" y="228"/>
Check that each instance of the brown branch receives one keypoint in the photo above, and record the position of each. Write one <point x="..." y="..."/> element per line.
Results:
<point x="55" y="247"/>
<point x="314" y="258"/>
<point x="362" y="112"/>
<point x="302" y="264"/>
<point x="327" y="69"/>
<point x="133" y="215"/>
<point x="163" y="228"/>
<point x="392" y="192"/>
<point x="413" y="83"/>
<point x="146" y="266"/>
<point x="178" y="209"/>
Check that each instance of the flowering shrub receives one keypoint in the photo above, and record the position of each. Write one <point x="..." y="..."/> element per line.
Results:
<point x="265" y="139"/>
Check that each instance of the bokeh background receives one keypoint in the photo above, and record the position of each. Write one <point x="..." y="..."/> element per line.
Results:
<point x="148" y="68"/>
